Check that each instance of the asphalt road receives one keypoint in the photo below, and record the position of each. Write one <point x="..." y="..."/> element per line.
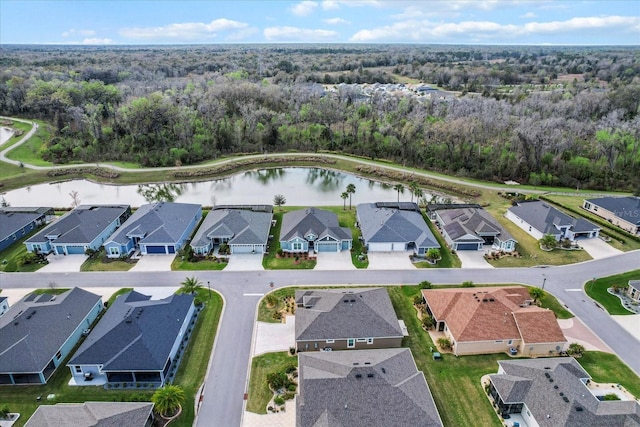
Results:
<point x="226" y="382"/>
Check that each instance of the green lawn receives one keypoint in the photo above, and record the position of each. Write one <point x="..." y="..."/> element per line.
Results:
<point x="29" y="152"/>
<point x="14" y="253"/>
<point x="24" y="127"/>
<point x="347" y="218"/>
<point x="206" y="264"/>
<point x="550" y="302"/>
<point x="598" y="291"/>
<point x="261" y="366"/>
<point x="100" y="262"/>
<point x="608" y="368"/>
<point x="449" y="260"/>
<point x="265" y="313"/>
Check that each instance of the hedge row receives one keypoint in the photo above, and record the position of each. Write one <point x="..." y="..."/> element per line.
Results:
<point x="101" y="172"/>
<point x="400" y="176"/>
<point x="195" y="173"/>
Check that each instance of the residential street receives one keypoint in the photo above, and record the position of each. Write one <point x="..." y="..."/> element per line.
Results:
<point x="227" y="378"/>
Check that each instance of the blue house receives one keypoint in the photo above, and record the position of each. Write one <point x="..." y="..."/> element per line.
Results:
<point x="157" y="228"/>
<point x="15" y="223"/>
<point x="313" y="229"/>
<point x="85" y="227"/>
<point x="39" y="331"/>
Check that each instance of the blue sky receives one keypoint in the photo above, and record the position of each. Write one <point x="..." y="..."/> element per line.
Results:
<point x="321" y="21"/>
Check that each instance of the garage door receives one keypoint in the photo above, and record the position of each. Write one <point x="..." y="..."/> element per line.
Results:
<point x="398" y="247"/>
<point x="172" y="249"/>
<point x="156" y="250"/>
<point x="327" y="247"/>
<point x="74" y="250"/>
<point x="467" y="246"/>
<point x="241" y="249"/>
<point x="379" y="247"/>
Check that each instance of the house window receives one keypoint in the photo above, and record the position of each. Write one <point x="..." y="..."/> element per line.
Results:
<point x="510" y="342"/>
<point x="351" y="343"/>
<point x="595" y="209"/>
<point x="78" y="369"/>
<point x="114" y="251"/>
<point x="315" y="345"/>
<point x="498" y="341"/>
<point x="361" y="340"/>
<point x="529" y="228"/>
<point x="58" y="355"/>
<point x="330" y="341"/>
<point x="587" y="205"/>
<point x="369" y="340"/>
<point x="297" y="246"/>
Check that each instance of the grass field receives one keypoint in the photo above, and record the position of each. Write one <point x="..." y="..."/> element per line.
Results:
<point x="14" y="253"/>
<point x="24" y="127"/>
<point x="100" y="262"/>
<point x="608" y="368"/>
<point x="265" y="314"/>
<point x="29" y="152"/>
<point x="598" y="291"/>
<point x="261" y="366"/>
<point x="208" y="264"/>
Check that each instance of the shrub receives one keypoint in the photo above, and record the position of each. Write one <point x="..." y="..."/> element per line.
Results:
<point x="4" y="411"/>
<point x="425" y="284"/>
<point x="292" y="387"/>
<point x="417" y="300"/>
<point x="611" y="396"/>
<point x="278" y="400"/>
<point x="444" y="342"/>
<point x="468" y="284"/>
<point x="277" y="380"/>
<point x="428" y="322"/>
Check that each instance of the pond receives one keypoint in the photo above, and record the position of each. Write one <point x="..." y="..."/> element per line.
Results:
<point x="300" y="187"/>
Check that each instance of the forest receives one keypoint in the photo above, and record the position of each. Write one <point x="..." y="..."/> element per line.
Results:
<point x="556" y="116"/>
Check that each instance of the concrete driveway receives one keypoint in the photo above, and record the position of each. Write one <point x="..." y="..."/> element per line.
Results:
<point x="272" y="337"/>
<point x="598" y="248"/>
<point x="390" y="261"/>
<point x="473" y="259"/>
<point x="244" y="262"/>
<point x="334" y="261"/>
<point x="63" y="264"/>
<point x="154" y="263"/>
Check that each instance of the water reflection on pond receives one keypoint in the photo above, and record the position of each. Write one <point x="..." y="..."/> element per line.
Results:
<point x="300" y="186"/>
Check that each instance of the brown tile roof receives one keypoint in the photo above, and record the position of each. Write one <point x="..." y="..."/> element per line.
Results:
<point x="485" y="314"/>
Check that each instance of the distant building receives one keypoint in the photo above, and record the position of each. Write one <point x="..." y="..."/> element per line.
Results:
<point x="621" y="211"/>
<point x="16" y="223"/>
<point x="93" y="414"/>
<point x="315" y="230"/>
<point x="633" y="290"/>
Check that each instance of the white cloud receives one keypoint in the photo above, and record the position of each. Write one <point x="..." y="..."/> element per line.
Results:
<point x="336" y="21"/>
<point x="241" y="35"/>
<point x="330" y="5"/>
<point x="96" y="40"/>
<point x="184" y="31"/>
<point x="304" y="8"/>
<point x="74" y="32"/>
<point x="528" y="15"/>
<point x="295" y="34"/>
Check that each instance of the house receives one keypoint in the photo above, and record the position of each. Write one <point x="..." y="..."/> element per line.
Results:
<point x="390" y="226"/>
<point x="157" y="228"/>
<point x="363" y="388"/>
<point x="621" y="211"/>
<point x="557" y="391"/>
<point x="93" y="414"/>
<point x="494" y="320"/>
<point x="4" y="305"/>
<point x="136" y="341"/>
<point x="340" y="319"/>
<point x="313" y="229"/>
<point x="633" y="290"/>
<point x="16" y="223"/>
<point x="244" y="228"/>
<point x="469" y="227"/>
<point x="85" y="227"/>
<point x="39" y="331"/>
<point x="539" y="218"/>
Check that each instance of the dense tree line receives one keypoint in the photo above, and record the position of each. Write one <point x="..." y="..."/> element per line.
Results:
<point x="552" y="116"/>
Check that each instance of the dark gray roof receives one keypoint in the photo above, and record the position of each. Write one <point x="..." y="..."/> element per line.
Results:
<point x="627" y="208"/>
<point x="529" y="381"/>
<point x="471" y="221"/>
<point x="242" y="226"/>
<point x="81" y="225"/>
<point x="633" y="283"/>
<point x="363" y="388"/>
<point x="14" y="219"/>
<point x="136" y="333"/>
<point x="387" y="225"/>
<point x="36" y="327"/>
<point x="92" y="414"/>
<point x="345" y="313"/>
<point x="545" y="218"/>
<point x="161" y="222"/>
<point x="320" y="222"/>
<point x="441" y="206"/>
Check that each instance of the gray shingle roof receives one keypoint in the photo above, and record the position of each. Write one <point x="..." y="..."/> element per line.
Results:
<point x="136" y="333"/>
<point x="363" y="388"/>
<point x="545" y="218"/>
<point x="472" y="221"/>
<point x="322" y="223"/>
<point x="14" y="219"/>
<point x="242" y="226"/>
<point x="367" y="313"/>
<point x="386" y="225"/>
<point x="528" y="381"/>
<point x="81" y="225"/>
<point x="161" y="222"/>
<point x="627" y="208"/>
<point x="36" y="327"/>
<point x="92" y="414"/>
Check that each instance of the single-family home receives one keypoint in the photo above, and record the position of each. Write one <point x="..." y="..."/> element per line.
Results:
<point x="39" y="331"/>
<point x="621" y="211"/>
<point x="4" y="305"/>
<point x="390" y="226"/>
<point x="244" y="228"/>
<point x="315" y="230"/>
<point x="494" y="320"/>
<point x="340" y="319"/>
<point x="633" y="290"/>
<point x="93" y="414"/>
<point x="538" y="218"/>
<point x="85" y="227"/>
<point x="557" y="391"/>
<point x="135" y="341"/>
<point x="363" y="388"/>
<point x="469" y="227"/>
<point x="157" y="228"/>
<point x="17" y="222"/>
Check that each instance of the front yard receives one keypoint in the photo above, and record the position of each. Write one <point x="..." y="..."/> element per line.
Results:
<point x="261" y="366"/>
<point x="598" y="291"/>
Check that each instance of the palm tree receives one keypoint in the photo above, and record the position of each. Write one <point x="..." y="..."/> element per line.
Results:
<point x="344" y="197"/>
<point x="168" y="400"/>
<point x="190" y="285"/>
<point x="279" y="200"/>
<point x="418" y="193"/>
<point x="351" y="188"/>
<point x="548" y="241"/>
<point x="400" y="189"/>
<point x="413" y="188"/>
<point x="536" y="293"/>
